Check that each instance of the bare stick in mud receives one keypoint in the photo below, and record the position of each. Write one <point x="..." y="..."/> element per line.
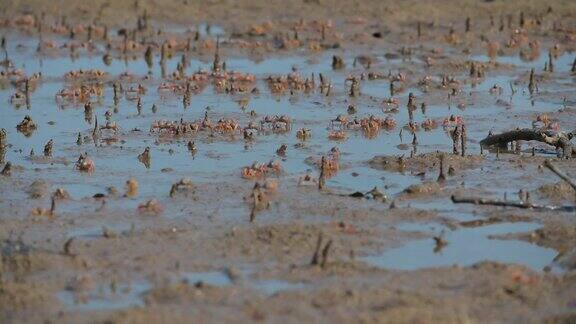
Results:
<point x="148" y="57"/>
<point x="116" y="93"/>
<point x="505" y="203"/>
<point x="512" y="90"/>
<point x="463" y="136"/>
<point x="255" y="202"/>
<point x="322" y="177"/>
<point x="53" y="206"/>
<point x="3" y="138"/>
<point x="7" y="170"/>
<point x="439" y="242"/>
<point x="27" y="92"/>
<point x="559" y="173"/>
<point x="325" y="253"/>
<point x="532" y="83"/>
<point x="456" y="135"/>
<point x="68" y="247"/>
<point x="337" y="62"/>
<point x="441" y="176"/>
<point x="316" y="256"/>
<point x="557" y="139"/>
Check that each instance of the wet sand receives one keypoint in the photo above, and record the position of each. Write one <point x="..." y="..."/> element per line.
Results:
<point x="190" y="212"/>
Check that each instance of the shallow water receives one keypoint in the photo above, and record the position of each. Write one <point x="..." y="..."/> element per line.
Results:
<point x="466" y="246"/>
<point x="218" y="158"/>
<point x="212" y="278"/>
<point x="562" y="63"/>
<point x="121" y="296"/>
<point x="106" y="298"/>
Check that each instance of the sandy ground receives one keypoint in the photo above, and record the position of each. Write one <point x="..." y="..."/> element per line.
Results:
<point x="103" y="259"/>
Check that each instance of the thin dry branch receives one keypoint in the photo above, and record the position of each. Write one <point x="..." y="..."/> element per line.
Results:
<point x="502" y="203"/>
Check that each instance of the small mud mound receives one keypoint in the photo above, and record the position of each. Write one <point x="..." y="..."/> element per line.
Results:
<point x="559" y="237"/>
<point x="424" y="162"/>
<point x="184" y="291"/>
<point x="421" y="190"/>
<point x="38" y="189"/>
<point x="557" y="192"/>
<point x="19" y="296"/>
<point x="18" y="259"/>
<point x="296" y="242"/>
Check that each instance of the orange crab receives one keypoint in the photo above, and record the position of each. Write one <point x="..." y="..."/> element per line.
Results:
<point x="85" y="164"/>
<point x="329" y="165"/>
<point x="453" y="121"/>
<point x="88" y="74"/>
<point x="151" y="206"/>
<point x="259" y="170"/>
<point x="341" y="120"/>
<point x="429" y="124"/>
<point x="304" y="134"/>
<point x="412" y="127"/>
<point x="391" y="103"/>
<point x="546" y="122"/>
<point x="389" y="122"/>
<point x="277" y="124"/>
<point x="337" y="135"/>
<point x="225" y="126"/>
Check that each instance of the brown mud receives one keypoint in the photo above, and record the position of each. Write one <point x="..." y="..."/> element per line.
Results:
<point x="285" y="161"/>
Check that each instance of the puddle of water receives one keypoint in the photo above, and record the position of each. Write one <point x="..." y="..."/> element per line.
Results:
<point x="465" y="247"/>
<point x="445" y="207"/>
<point x="123" y="296"/>
<point x="561" y="64"/>
<point x="422" y="227"/>
<point x="105" y="298"/>
<point x="120" y="159"/>
<point x="363" y="179"/>
<point x="203" y="29"/>
<point x="212" y="278"/>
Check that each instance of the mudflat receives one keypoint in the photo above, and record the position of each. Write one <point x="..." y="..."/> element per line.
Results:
<point x="287" y="161"/>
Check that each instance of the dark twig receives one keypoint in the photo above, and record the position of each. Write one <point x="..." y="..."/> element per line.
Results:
<point x="322" y="177"/>
<point x="68" y="247"/>
<point x="316" y="256"/>
<point x="325" y="253"/>
<point x="532" y="83"/>
<point x="502" y="203"/>
<point x="441" y="176"/>
<point x="463" y="136"/>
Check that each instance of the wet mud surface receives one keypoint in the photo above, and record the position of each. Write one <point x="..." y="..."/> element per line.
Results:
<point x="288" y="165"/>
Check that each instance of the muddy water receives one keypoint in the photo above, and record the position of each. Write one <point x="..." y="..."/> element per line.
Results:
<point x="106" y="297"/>
<point x="466" y="246"/>
<point x="216" y="158"/>
<point x="117" y="162"/>
<point x="128" y="295"/>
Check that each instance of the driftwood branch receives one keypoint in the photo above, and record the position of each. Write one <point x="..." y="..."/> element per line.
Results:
<point x="557" y="139"/>
<point x="559" y="173"/>
<point x="503" y="203"/>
